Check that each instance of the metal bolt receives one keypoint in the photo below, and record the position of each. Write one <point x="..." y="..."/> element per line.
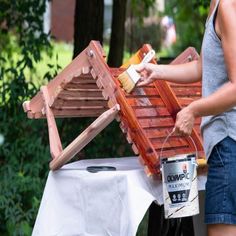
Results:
<point x="190" y="58"/>
<point x="91" y="53"/>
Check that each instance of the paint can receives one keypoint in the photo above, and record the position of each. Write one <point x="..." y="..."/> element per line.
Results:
<point x="179" y="181"/>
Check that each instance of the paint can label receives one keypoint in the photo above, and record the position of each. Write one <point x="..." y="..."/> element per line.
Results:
<point x="179" y="183"/>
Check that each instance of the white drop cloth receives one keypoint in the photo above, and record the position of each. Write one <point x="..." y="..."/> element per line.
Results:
<point x="107" y="203"/>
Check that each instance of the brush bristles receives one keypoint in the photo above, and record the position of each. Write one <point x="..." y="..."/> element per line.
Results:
<point x="126" y="82"/>
<point x="128" y="79"/>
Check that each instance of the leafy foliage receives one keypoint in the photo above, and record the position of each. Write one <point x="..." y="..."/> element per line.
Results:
<point x="142" y="25"/>
<point x="190" y="17"/>
<point x="141" y="8"/>
<point x="24" y="152"/>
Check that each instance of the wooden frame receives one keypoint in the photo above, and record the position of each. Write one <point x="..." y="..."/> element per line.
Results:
<point x="89" y="87"/>
<point x="85" y="137"/>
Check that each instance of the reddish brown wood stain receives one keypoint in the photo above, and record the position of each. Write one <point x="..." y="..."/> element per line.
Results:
<point x="88" y="87"/>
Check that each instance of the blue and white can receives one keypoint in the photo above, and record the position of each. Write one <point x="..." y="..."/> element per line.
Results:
<point x="180" y="191"/>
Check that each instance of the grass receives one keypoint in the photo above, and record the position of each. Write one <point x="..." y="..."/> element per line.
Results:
<point x="61" y="57"/>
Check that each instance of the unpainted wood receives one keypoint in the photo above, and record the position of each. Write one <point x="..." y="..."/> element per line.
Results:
<point x="85" y="137"/>
<point x="54" y="138"/>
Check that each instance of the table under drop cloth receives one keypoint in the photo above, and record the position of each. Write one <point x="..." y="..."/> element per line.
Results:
<point x="106" y="203"/>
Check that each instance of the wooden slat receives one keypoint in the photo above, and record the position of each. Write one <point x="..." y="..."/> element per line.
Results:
<point x="54" y="138"/>
<point x="186" y="101"/>
<point x="162" y="132"/>
<point x="83" y="90"/>
<point x="85" y="98"/>
<point x="173" y="142"/>
<point x="85" y="137"/>
<point x="84" y="79"/>
<point x="115" y="72"/>
<point x="65" y="108"/>
<point x="157" y="122"/>
<point x="153" y="132"/>
<point x="191" y="85"/>
<point x="169" y="152"/>
<point x="80" y="85"/>
<point x="151" y="112"/>
<point x="192" y="92"/>
<point x="147" y="96"/>
<point x="77" y="112"/>
<point x="157" y="102"/>
<point x="78" y="103"/>
<point x="147" y="91"/>
<point x="79" y="93"/>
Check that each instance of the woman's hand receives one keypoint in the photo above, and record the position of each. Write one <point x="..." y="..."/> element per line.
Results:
<point x="184" y="122"/>
<point x="148" y="71"/>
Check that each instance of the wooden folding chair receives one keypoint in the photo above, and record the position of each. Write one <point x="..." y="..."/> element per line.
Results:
<point x="88" y="87"/>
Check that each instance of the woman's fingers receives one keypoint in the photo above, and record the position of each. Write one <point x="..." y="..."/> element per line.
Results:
<point x="184" y="122"/>
<point x="143" y="81"/>
<point x="182" y="132"/>
<point x="146" y="72"/>
<point x="139" y="67"/>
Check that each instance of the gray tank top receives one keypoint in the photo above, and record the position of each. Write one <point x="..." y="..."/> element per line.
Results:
<point x="214" y="75"/>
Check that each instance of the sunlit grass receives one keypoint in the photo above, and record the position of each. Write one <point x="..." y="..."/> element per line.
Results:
<point x="60" y="58"/>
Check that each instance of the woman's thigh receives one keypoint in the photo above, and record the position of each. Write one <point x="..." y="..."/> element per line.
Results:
<point x="220" y="204"/>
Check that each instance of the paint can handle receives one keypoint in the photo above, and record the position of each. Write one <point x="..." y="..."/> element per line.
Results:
<point x="168" y="136"/>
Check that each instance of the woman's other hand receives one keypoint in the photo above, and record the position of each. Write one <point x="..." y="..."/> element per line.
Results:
<point x="184" y="122"/>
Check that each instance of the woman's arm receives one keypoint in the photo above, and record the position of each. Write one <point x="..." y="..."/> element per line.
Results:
<point x="183" y="73"/>
<point x="224" y="98"/>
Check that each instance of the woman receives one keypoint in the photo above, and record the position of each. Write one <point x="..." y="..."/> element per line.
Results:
<point x="216" y="67"/>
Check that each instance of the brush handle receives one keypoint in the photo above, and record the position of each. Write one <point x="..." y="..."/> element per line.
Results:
<point x="148" y="57"/>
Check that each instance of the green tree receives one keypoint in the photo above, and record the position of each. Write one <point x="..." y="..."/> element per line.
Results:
<point x="88" y="23"/>
<point x="23" y="150"/>
<point x="117" y="40"/>
<point x="190" y="17"/>
<point x="138" y="31"/>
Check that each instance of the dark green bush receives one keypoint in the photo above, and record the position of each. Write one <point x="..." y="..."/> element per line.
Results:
<point x="189" y="17"/>
<point x="24" y="152"/>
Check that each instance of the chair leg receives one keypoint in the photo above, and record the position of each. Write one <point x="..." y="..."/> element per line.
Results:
<point x="54" y="138"/>
<point x="85" y="137"/>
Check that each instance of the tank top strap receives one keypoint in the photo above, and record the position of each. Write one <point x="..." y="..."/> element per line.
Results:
<point x="211" y="17"/>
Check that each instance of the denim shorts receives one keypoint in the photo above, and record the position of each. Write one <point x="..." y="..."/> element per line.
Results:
<point x="220" y="202"/>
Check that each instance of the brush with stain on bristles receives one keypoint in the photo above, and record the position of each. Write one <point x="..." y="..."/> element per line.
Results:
<point x="130" y="76"/>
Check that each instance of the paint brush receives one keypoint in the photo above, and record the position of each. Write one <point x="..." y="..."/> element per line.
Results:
<point x="130" y="76"/>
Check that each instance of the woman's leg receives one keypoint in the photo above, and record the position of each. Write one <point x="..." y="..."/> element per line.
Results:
<point x="220" y="202"/>
<point x="221" y="230"/>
